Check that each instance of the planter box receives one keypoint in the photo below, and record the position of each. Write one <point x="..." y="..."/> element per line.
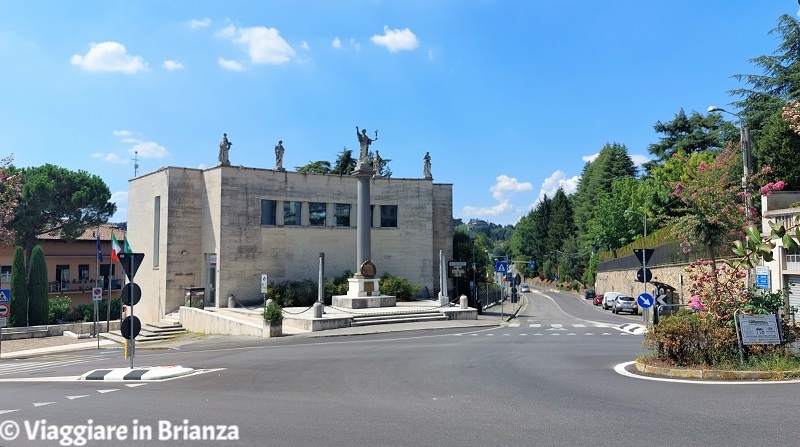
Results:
<point x="272" y="329"/>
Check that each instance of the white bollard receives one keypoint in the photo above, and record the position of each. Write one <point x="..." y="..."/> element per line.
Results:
<point x="463" y="301"/>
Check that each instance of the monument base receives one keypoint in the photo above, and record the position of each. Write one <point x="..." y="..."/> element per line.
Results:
<point x="363" y="293"/>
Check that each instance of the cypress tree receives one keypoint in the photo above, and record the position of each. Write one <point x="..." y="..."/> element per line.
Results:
<point x="38" y="307"/>
<point x="19" y="290"/>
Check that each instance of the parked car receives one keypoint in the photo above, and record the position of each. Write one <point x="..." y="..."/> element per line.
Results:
<point x="625" y="303"/>
<point x="608" y="299"/>
<point x="524" y="288"/>
<point x="598" y="299"/>
<point x="589" y="294"/>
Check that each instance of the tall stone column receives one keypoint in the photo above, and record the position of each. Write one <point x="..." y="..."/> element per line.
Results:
<point x="364" y="226"/>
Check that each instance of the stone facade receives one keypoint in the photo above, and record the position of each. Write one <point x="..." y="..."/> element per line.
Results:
<point x="624" y="281"/>
<point x="203" y="228"/>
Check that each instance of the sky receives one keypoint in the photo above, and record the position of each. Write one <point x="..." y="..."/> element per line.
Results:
<point x="511" y="98"/>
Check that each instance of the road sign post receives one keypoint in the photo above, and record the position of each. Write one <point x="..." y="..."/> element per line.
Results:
<point x="130" y="295"/>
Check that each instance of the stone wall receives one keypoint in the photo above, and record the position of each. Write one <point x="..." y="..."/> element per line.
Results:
<point x="625" y="280"/>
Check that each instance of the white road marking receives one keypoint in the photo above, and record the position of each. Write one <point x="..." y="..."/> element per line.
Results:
<point x="620" y="369"/>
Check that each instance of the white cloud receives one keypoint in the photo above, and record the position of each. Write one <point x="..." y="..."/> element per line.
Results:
<point x="506" y="185"/>
<point x="263" y="45"/>
<point x="557" y="180"/>
<point x="173" y="65"/>
<point x="121" y="133"/>
<point x="355" y="45"/>
<point x="396" y="40"/>
<point x="639" y="160"/>
<point x="590" y="158"/>
<point x="149" y="149"/>
<point x="336" y="43"/>
<point x="195" y="24"/>
<point x="305" y="46"/>
<point x="120" y="198"/>
<point x="109" y="56"/>
<point x="430" y="54"/>
<point x="499" y="209"/>
<point x="229" y="65"/>
<point x="114" y="158"/>
<point x="97" y="155"/>
<point x="201" y="166"/>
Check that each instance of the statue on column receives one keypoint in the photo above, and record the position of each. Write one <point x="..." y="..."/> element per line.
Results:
<point x="279" y="156"/>
<point x="376" y="164"/>
<point x="364" y="141"/>
<point x="224" y="147"/>
<point x="426" y="168"/>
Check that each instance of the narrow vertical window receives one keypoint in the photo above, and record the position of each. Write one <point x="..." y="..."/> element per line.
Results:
<point x="156" y="229"/>
<point x="389" y="216"/>
<point x="316" y="214"/>
<point x="341" y="213"/>
<point x="268" y="212"/>
<point x="291" y="214"/>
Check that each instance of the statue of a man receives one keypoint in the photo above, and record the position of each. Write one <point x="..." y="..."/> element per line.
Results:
<point x="279" y="155"/>
<point x="426" y="168"/>
<point x="224" y="147"/>
<point x="376" y="163"/>
<point x="364" y="141"/>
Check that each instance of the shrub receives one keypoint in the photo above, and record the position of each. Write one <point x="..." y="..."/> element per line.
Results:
<point x="19" y="290"/>
<point x="693" y="338"/>
<point x="85" y="312"/>
<point x="273" y="313"/>
<point x="399" y="287"/>
<point x="58" y="310"/>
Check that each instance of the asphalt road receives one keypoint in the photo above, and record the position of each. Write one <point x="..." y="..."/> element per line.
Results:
<point x="547" y="378"/>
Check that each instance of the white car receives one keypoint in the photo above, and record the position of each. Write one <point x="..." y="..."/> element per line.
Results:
<point x="608" y="299"/>
<point x="524" y="288"/>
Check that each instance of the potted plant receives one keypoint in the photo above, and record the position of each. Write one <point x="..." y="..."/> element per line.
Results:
<point x="273" y="319"/>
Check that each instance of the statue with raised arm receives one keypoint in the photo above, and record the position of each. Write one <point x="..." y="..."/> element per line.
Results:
<point x="364" y="141"/>
<point x="224" y="147"/>
<point x="426" y="168"/>
<point x="279" y="156"/>
<point x="376" y="164"/>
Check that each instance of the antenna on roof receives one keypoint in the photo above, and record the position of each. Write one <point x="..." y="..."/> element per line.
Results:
<point x="135" y="163"/>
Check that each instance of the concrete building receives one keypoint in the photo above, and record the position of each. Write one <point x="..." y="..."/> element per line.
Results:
<point x="222" y="228"/>
<point x="783" y="272"/>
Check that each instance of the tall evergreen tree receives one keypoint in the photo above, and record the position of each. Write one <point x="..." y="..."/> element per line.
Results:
<point x="19" y="290"/>
<point x="38" y="302"/>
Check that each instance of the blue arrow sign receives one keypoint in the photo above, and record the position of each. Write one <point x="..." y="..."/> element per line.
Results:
<point x="645" y="300"/>
<point x="500" y="267"/>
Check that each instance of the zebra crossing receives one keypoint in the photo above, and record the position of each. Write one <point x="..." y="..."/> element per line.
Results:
<point x="8" y="367"/>
<point x="565" y="329"/>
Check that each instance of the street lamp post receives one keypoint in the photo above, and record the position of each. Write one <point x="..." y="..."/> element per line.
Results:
<point x="744" y="137"/>
<point x="474" y="284"/>
<point x="645" y="312"/>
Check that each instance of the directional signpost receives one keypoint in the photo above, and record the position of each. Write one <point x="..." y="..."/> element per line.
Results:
<point x="131" y="326"/>
<point x="762" y="277"/>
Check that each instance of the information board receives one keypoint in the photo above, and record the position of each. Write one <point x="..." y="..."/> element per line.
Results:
<point x="760" y="329"/>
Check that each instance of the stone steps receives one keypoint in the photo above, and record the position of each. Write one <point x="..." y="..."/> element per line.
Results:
<point x="165" y="329"/>
<point x="393" y="318"/>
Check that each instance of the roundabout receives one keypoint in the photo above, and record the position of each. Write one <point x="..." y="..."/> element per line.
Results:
<point x="639" y="370"/>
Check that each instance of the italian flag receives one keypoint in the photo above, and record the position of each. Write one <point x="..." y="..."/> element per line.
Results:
<point x="115" y="250"/>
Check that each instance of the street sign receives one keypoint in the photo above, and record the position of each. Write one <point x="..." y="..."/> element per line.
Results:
<point x="644" y="275"/>
<point x="4" y="310"/>
<point x="762" y="277"/>
<point x="264" y="283"/>
<point x="500" y="266"/>
<point x="645" y="300"/>
<point x="137" y="261"/>
<point x="457" y="269"/>
<point x="126" y="296"/>
<point x="648" y="253"/>
<point x="5" y="295"/>
<point x="97" y="294"/>
<point x="130" y="330"/>
<point x="532" y="265"/>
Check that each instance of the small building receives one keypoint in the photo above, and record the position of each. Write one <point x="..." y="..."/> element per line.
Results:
<point x="73" y="267"/>
<point x="220" y="229"/>
<point x="783" y="272"/>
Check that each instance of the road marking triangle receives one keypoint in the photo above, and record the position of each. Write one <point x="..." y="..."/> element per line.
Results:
<point x="41" y="404"/>
<point x="107" y="391"/>
<point x="77" y="397"/>
<point x="8" y="411"/>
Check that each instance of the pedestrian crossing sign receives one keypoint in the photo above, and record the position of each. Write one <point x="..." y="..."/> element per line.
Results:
<point x="501" y="267"/>
<point x="5" y="295"/>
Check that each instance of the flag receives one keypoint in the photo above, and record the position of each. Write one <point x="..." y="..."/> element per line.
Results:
<point x="126" y="247"/>
<point x="114" y="248"/>
<point x="99" y="251"/>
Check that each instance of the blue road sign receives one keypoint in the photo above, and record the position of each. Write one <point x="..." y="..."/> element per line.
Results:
<point x="532" y="265"/>
<point x="501" y="267"/>
<point x="645" y="300"/>
<point x="762" y="281"/>
<point x="5" y="295"/>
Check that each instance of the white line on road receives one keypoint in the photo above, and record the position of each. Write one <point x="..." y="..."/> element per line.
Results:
<point x="621" y="370"/>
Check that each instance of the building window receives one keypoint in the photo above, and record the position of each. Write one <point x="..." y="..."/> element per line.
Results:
<point x="268" y="210"/>
<point x="291" y="214"/>
<point x="316" y="214"/>
<point x="83" y="272"/>
<point x="341" y="213"/>
<point x="5" y="273"/>
<point x="156" y="229"/>
<point x="389" y="216"/>
<point x="62" y="277"/>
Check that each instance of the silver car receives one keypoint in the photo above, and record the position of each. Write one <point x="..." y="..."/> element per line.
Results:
<point x="625" y="303"/>
<point x="524" y="288"/>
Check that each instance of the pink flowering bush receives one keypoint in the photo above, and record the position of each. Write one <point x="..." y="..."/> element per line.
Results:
<point x="10" y="188"/>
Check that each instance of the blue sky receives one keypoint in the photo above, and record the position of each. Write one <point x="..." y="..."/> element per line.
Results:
<point x="511" y="98"/>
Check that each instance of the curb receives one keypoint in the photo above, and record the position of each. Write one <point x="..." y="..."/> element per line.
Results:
<point x="715" y="374"/>
<point x="139" y="373"/>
